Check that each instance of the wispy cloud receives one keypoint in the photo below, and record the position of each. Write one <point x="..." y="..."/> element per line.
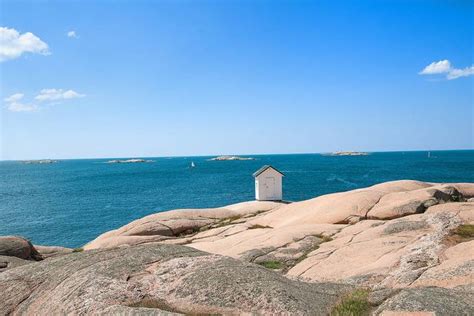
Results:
<point x="72" y="34"/>
<point x="456" y="73"/>
<point x="57" y="94"/>
<point x="445" y="67"/>
<point x="15" y="103"/>
<point x="13" y="44"/>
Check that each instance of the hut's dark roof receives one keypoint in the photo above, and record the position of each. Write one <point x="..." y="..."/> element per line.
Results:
<point x="259" y="171"/>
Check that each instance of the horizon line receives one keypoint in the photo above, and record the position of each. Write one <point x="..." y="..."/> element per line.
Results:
<point x="243" y="155"/>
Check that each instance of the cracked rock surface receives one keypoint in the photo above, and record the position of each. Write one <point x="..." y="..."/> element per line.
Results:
<point x="155" y="279"/>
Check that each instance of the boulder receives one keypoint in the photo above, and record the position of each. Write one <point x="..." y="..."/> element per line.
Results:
<point x="465" y="210"/>
<point x="18" y="247"/>
<point x="165" y="278"/>
<point x="432" y="300"/>
<point x="398" y="204"/>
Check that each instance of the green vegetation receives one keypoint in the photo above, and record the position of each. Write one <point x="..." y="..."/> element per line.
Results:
<point x="271" y="264"/>
<point x="326" y="238"/>
<point x="155" y="303"/>
<point x="78" y="250"/>
<point x="256" y="226"/>
<point x="465" y="231"/>
<point x="226" y="221"/>
<point x="354" y="304"/>
<point x="234" y="218"/>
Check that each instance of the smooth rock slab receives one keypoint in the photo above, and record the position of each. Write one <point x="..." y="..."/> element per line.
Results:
<point x="168" y="278"/>
<point x="439" y="301"/>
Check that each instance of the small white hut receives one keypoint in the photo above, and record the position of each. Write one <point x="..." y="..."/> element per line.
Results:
<point x="268" y="184"/>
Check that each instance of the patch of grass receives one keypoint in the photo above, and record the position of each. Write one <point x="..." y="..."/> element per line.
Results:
<point x="234" y="218"/>
<point x="311" y="249"/>
<point x="78" y="250"/>
<point x="271" y="264"/>
<point x="354" y="304"/>
<point x="465" y="231"/>
<point x="460" y="234"/>
<point x="155" y="303"/>
<point x="257" y="226"/>
<point x="326" y="238"/>
<point x="323" y="237"/>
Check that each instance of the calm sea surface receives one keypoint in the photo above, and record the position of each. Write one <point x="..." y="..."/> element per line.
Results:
<point x="73" y="201"/>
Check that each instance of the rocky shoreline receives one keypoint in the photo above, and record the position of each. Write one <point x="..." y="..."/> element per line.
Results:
<point x="391" y="249"/>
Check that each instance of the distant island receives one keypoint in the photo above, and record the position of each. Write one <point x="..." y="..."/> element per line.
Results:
<point x="129" y="161"/>
<point x="42" y="161"/>
<point x="221" y="158"/>
<point x="348" y="153"/>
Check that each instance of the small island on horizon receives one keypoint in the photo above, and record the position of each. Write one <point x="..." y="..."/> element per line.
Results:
<point x="229" y="157"/>
<point x="39" y="162"/>
<point x="348" y="153"/>
<point x="134" y="160"/>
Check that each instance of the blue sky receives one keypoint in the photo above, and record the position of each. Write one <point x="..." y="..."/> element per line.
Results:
<point x="164" y="78"/>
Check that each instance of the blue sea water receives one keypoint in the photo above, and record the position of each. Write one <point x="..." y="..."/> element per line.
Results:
<point x="73" y="201"/>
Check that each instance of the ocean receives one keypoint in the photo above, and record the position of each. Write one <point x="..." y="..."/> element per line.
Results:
<point x="71" y="202"/>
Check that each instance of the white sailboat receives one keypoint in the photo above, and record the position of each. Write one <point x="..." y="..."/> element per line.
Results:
<point x="429" y="154"/>
<point x="192" y="164"/>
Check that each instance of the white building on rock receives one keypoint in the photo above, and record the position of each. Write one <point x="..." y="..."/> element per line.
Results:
<point x="268" y="184"/>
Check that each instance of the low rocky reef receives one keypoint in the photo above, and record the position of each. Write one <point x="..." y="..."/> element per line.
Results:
<point x="129" y="161"/>
<point x="348" y="153"/>
<point x="224" y="158"/>
<point x="396" y="248"/>
<point x="39" y="162"/>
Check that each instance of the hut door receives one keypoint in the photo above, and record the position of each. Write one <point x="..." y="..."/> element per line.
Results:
<point x="270" y="181"/>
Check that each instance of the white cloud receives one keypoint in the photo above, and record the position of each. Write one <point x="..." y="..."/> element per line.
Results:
<point x="21" y="107"/>
<point x="439" y="67"/>
<point x="456" y="73"/>
<point x="57" y="94"/>
<point x="444" y="67"/>
<point x="14" y="97"/>
<point x="72" y="34"/>
<point x="13" y="44"/>
<point x="14" y="103"/>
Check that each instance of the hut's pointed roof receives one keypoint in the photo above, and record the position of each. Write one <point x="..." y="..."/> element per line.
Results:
<point x="259" y="171"/>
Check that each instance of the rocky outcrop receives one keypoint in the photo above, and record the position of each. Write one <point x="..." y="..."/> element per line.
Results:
<point x="391" y="236"/>
<point x="403" y="243"/>
<point x="154" y="278"/>
<point x="396" y="254"/>
<point x="19" y="247"/>
<point x="179" y="223"/>
<point x="428" y="301"/>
